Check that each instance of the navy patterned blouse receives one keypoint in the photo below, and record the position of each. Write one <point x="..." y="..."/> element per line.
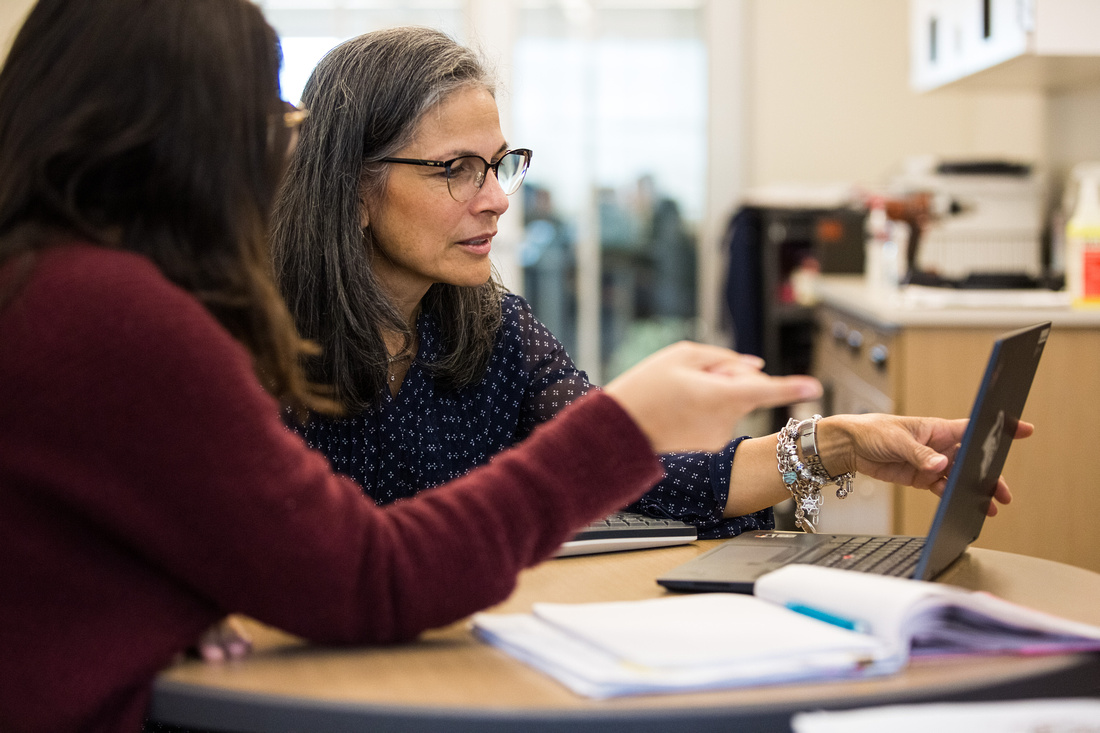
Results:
<point x="425" y="436"/>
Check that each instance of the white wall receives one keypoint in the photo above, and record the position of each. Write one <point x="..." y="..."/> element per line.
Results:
<point x="1073" y="120"/>
<point x="828" y="98"/>
<point x="12" y="13"/>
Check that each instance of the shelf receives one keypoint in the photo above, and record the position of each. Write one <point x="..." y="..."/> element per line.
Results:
<point x="1052" y="74"/>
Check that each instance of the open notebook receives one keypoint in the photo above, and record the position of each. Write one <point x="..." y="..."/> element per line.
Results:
<point x="801" y="623"/>
<point x="738" y="562"/>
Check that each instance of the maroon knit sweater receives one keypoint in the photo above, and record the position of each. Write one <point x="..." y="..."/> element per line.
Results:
<point x="148" y="488"/>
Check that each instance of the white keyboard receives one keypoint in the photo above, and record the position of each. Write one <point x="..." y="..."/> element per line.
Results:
<point x="628" y="531"/>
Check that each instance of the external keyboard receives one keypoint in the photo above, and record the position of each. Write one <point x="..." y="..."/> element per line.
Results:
<point x="628" y="531"/>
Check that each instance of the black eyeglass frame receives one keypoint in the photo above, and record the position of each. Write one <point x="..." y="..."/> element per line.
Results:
<point x="446" y="165"/>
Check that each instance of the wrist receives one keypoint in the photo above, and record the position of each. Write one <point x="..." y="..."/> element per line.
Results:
<point x="835" y="445"/>
<point x="800" y="465"/>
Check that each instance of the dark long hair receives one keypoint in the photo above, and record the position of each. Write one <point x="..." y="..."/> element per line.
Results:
<point x="365" y="99"/>
<point x="155" y="126"/>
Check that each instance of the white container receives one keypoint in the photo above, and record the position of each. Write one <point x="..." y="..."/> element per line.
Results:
<point x="885" y="250"/>
<point x="874" y="238"/>
<point x="1083" y="238"/>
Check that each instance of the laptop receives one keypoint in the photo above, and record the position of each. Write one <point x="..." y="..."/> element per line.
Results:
<point x="736" y="563"/>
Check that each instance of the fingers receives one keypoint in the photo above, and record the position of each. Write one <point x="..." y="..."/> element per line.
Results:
<point x="925" y="459"/>
<point x="690" y="396"/>
<point x="776" y="391"/>
<point x="768" y="391"/>
<point x="1001" y="495"/>
<point x="737" y="365"/>
<point x="1023" y="430"/>
<point x="225" y="641"/>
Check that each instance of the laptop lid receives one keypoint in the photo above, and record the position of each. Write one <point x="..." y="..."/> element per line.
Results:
<point x="984" y="448"/>
<point x="735" y="564"/>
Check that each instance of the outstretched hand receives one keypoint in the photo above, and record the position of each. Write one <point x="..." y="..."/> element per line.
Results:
<point x="912" y="451"/>
<point x="690" y="396"/>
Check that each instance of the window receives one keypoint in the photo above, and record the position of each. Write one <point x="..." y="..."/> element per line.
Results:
<point x="613" y="101"/>
<point x="311" y="28"/>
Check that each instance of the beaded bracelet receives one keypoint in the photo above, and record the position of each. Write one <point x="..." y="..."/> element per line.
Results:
<point x="805" y="478"/>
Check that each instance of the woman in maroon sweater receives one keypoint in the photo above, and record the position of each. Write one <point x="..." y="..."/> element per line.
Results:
<point x="147" y="484"/>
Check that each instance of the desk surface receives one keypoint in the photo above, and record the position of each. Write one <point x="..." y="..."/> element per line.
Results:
<point x="449" y="681"/>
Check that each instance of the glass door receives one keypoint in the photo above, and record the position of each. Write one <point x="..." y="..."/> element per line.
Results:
<point x="613" y="100"/>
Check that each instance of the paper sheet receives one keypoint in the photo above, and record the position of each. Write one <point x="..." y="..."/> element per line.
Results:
<point x="1023" y="716"/>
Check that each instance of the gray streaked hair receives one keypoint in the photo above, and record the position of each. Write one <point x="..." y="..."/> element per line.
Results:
<point x="366" y="98"/>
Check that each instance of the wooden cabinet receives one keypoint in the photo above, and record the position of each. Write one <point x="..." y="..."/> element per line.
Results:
<point x="1037" y="44"/>
<point x="924" y="367"/>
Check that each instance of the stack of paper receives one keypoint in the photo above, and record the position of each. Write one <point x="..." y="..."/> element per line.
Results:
<point x="682" y="643"/>
<point x="1022" y="716"/>
<point x="804" y="623"/>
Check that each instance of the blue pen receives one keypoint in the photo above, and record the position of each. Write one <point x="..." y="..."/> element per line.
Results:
<point x="827" y="617"/>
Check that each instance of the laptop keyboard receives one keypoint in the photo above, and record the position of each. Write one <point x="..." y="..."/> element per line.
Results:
<point x="896" y="556"/>
<point x="628" y="531"/>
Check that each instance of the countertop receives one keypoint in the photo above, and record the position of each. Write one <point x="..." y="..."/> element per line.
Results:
<point x="913" y="305"/>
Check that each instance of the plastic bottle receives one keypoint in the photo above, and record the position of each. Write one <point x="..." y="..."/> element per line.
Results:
<point x="1083" y="239"/>
<point x="881" y="261"/>
<point x="872" y="242"/>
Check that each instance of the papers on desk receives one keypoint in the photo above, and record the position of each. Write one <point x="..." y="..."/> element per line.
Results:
<point x="1022" y="716"/>
<point x="803" y="623"/>
<point x="677" y="644"/>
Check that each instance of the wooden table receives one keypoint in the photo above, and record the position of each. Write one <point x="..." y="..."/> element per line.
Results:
<point x="449" y="681"/>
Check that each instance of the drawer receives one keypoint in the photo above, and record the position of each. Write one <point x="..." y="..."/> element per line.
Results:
<point x="863" y="349"/>
<point x="852" y="360"/>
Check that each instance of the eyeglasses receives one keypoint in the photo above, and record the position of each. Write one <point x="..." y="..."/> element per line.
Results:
<point x="466" y="174"/>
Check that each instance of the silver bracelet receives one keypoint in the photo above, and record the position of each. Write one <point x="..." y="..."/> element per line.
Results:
<point x="808" y="432"/>
<point x="804" y="478"/>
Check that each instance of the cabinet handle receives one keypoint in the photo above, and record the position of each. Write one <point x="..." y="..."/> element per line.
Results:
<point x="840" y="332"/>
<point x="879" y="355"/>
<point x="855" y="340"/>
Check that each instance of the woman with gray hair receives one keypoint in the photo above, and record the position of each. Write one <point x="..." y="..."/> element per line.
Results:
<point x="381" y="240"/>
